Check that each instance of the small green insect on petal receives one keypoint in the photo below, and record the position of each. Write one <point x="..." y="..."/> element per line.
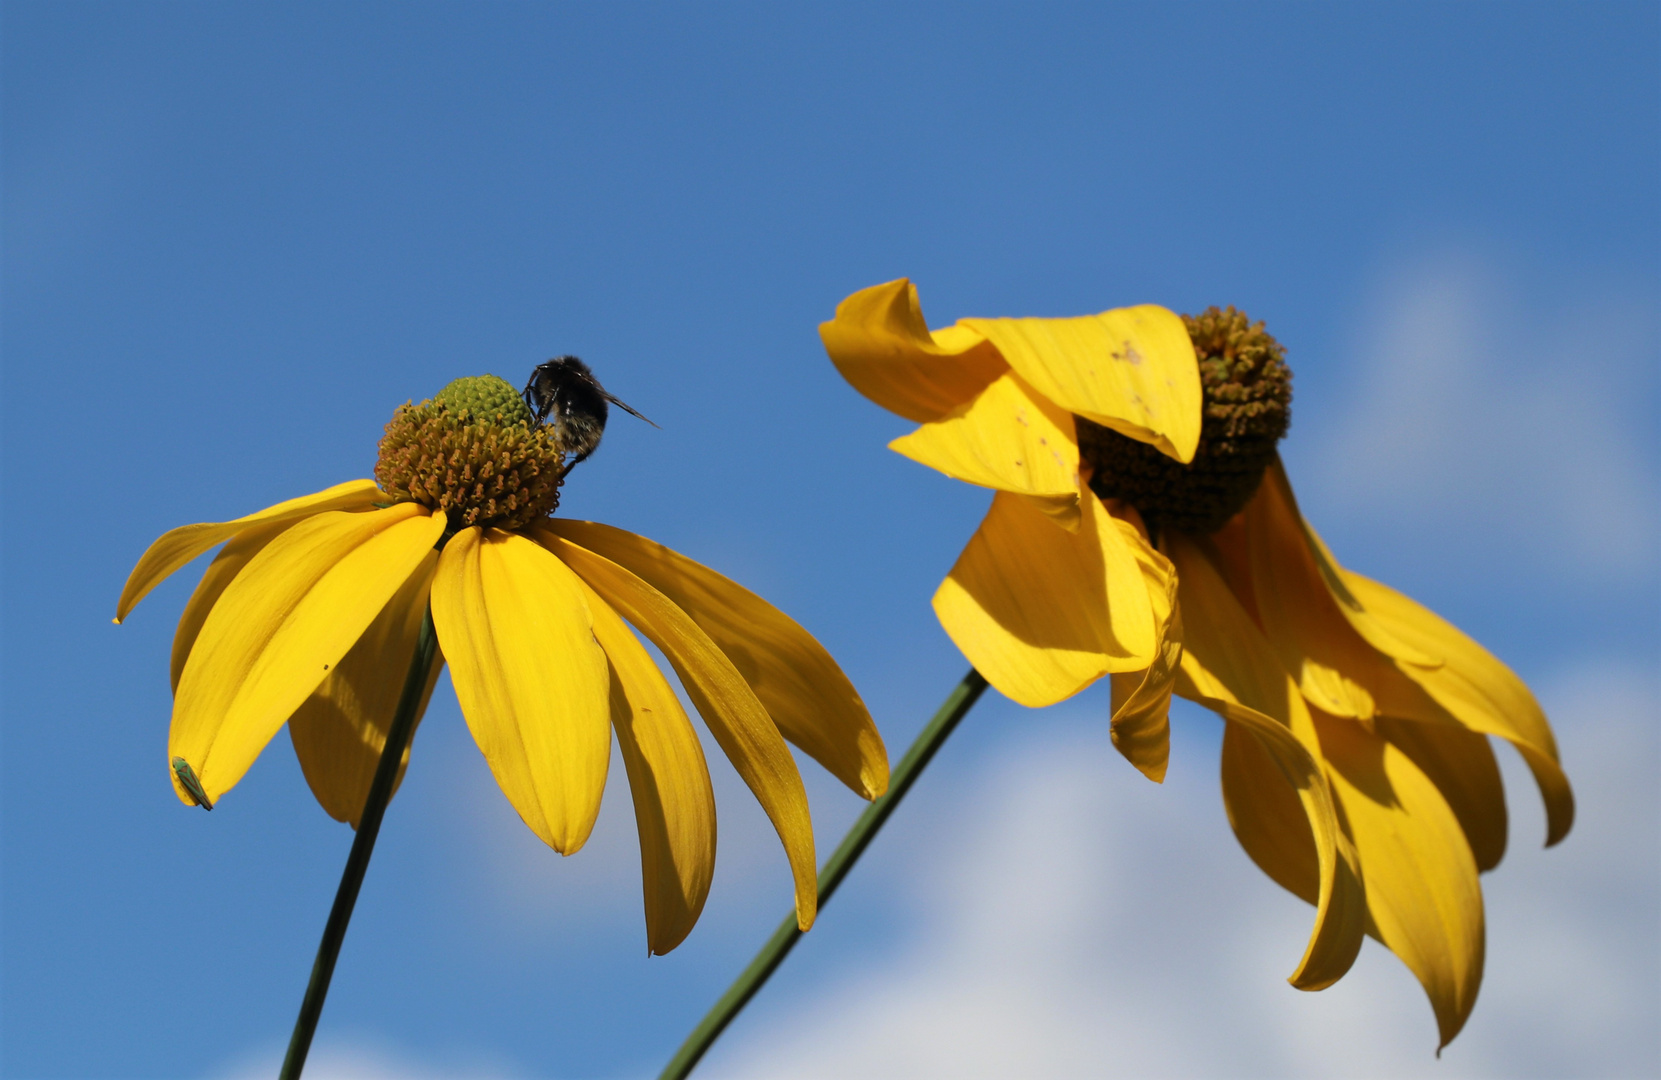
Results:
<point x="192" y="786"/>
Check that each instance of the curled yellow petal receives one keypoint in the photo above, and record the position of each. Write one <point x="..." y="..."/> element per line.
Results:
<point x="281" y="626"/>
<point x="1229" y="668"/>
<point x="178" y="546"/>
<point x="882" y="346"/>
<point x="1130" y="369"/>
<point x="1142" y="699"/>
<point x="735" y="715"/>
<point x="1461" y="764"/>
<point x="1043" y="612"/>
<point x="1009" y="439"/>
<point x="533" y="683"/>
<point x="1340" y="898"/>
<point x="804" y="690"/>
<point x="674" y="805"/>
<point x="340" y="730"/>
<point x="1423" y="898"/>
<point x="1476" y="688"/>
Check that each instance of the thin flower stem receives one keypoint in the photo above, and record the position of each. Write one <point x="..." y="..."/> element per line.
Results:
<point x="363" y="845"/>
<point x="916" y="759"/>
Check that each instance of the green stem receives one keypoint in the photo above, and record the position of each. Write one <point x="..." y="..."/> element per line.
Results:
<point x="916" y="759"/>
<point x="363" y="845"/>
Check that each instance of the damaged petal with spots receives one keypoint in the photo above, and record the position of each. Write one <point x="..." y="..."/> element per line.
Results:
<point x="1248" y="408"/>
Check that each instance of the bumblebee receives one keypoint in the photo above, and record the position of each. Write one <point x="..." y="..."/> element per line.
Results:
<point x="565" y="394"/>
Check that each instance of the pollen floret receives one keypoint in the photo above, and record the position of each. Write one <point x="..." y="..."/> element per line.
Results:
<point x="473" y="452"/>
<point x="488" y="398"/>
<point x="1248" y="407"/>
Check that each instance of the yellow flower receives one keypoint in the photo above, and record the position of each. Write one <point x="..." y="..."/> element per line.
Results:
<point x="311" y="613"/>
<point x="1142" y="528"/>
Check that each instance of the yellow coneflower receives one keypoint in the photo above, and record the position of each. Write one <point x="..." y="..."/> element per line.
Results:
<point x="1142" y="528"/>
<point x="319" y="610"/>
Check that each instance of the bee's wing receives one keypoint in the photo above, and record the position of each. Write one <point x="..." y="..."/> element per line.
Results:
<point x="621" y="404"/>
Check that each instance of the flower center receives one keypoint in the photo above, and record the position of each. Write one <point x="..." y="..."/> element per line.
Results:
<point x="474" y="452"/>
<point x="1248" y="407"/>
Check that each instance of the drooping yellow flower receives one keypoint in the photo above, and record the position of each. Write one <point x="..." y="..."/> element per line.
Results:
<point x="311" y="613"/>
<point x="1142" y="528"/>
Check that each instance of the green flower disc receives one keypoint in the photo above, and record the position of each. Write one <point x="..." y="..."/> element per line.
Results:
<point x="473" y="452"/>
<point x="488" y="398"/>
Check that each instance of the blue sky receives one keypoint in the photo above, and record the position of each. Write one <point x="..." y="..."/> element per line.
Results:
<point x="237" y="236"/>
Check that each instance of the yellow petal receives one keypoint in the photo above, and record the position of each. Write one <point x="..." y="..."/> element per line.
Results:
<point x="1361" y="649"/>
<point x="1340" y="898"/>
<point x="339" y="732"/>
<point x="1229" y="668"/>
<point x="1130" y="369"/>
<point x="1461" y="764"/>
<point x="1042" y="612"/>
<point x="281" y="626"/>
<point x="1142" y="699"/>
<point x="1422" y="892"/>
<point x="809" y="698"/>
<point x="179" y="546"/>
<point x="735" y="716"/>
<point x="1337" y="669"/>
<point x="533" y="683"/>
<point x="1009" y="439"/>
<point x="1376" y="631"/>
<point x="674" y="805"/>
<point x="882" y="346"/>
<point x="1266" y="815"/>
<point x="1476" y="688"/>
<point x="1220" y="637"/>
<point x="220" y="573"/>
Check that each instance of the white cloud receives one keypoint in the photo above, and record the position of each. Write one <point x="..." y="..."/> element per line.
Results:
<point x="1524" y="426"/>
<point x="362" y="1058"/>
<point x="1073" y="920"/>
